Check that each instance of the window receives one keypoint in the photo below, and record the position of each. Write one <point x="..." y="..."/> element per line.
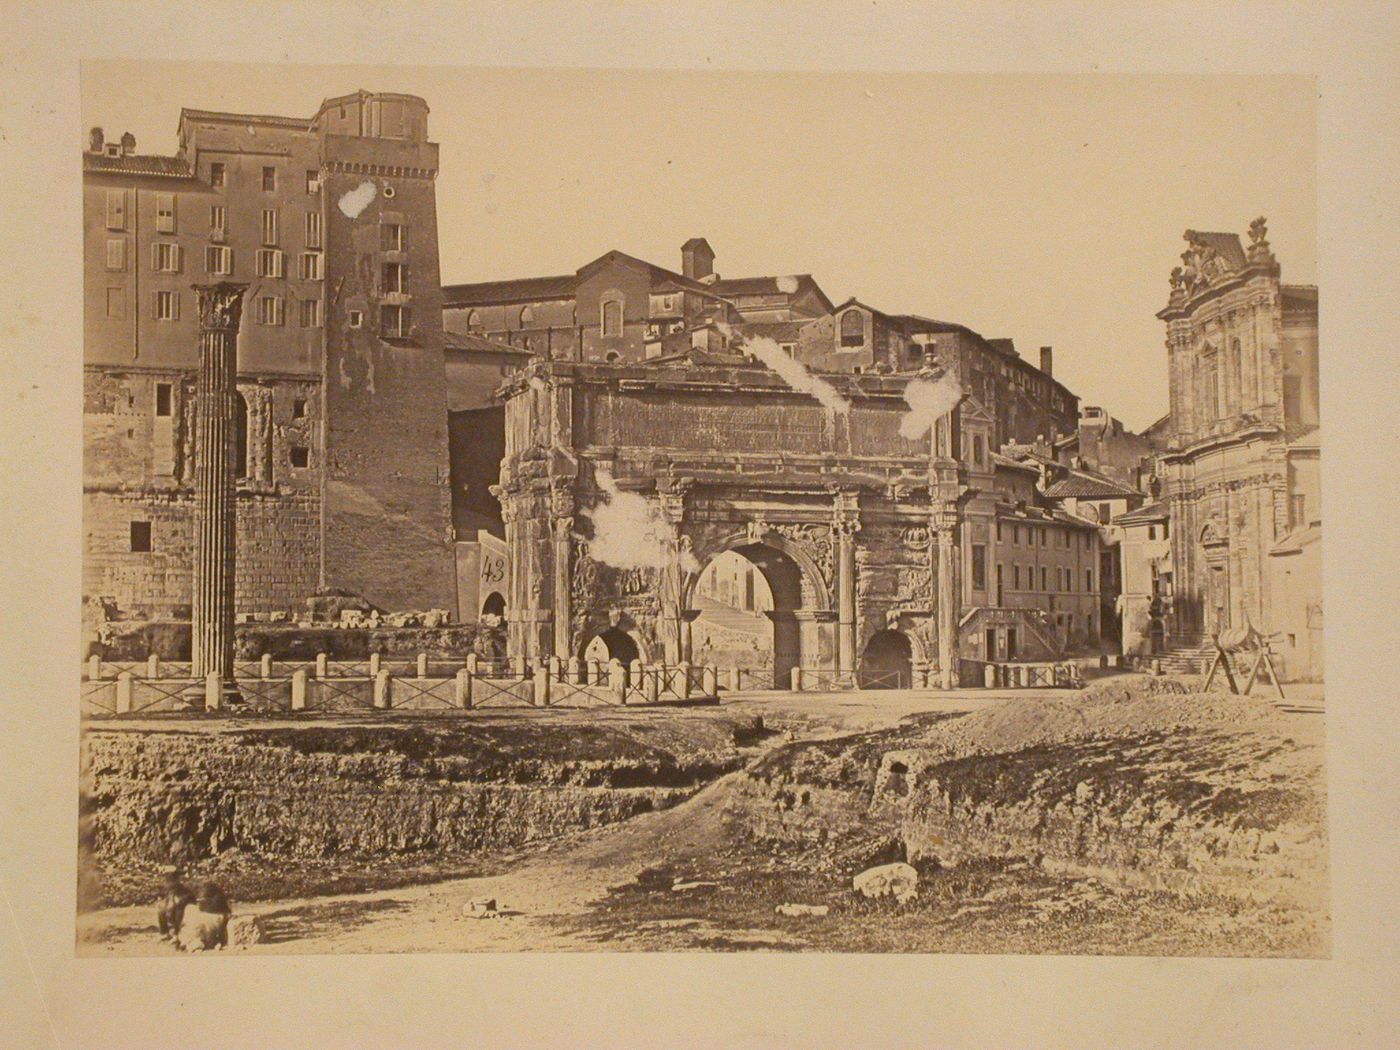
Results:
<point x="612" y="317"/>
<point x="1044" y="578"/>
<point x="301" y="456"/>
<point x="852" y="328"/>
<point x="1152" y="532"/>
<point x="390" y="237"/>
<point x="116" y="253"/>
<point x="313" y="181"/>
<point x="979" y="567"/>
<point x="1042" y="536"/>
<point x="218" y="222"/>
<point x="526" y="314"/>
<point x="218" y="259"/>
<point x="116" y="209"/>
<point x="998" y="532"/>
<point x="1089" y="579"/>
<point x="165" y="257"/>
<point x="977" y="450"/>
<point x="356" y="318"/>
<point x="270" y="309"/>
<point x="310" y="318"/>
<point x="1165" y="526"/>
<point x="1030" y="535"/>
<point x="269" y="262"/>
<point x="240" y="435"/>
<point x="269" y="180"/>
<point x="1015" y="577"/>
<point x="141" y="537"/>
<point x="474" y="321"/>
<point x="216" y="174"/>
<point x="310" y="266"/>
<point x="116" y="304"/>
<point x="1105" y="513"/>
<point x="163" y="399"/>
<point x="394" y="322"/>
<point x="167" y="306"/>
<point x="165" y="213"/>
<point x="1016" y="538"/>
<point x="313" y="229"/>
<point x="269" y="226"/>
<point x="299" y="408"/>
<point x="393" y="278"/>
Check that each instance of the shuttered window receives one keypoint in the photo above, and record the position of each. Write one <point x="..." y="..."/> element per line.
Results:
<point x="165" y="212"/>
<point x="116" y="209"/>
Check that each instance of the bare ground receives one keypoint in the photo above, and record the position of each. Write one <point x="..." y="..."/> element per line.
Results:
<point x="611" y="888"/>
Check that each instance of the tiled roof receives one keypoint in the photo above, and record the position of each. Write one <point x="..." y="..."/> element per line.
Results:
<point x="1082" y="485"/>
<point x="730" y="286"/>
<point x="468" y="341"/>
<point x="137" y="164"/>
<point x="521" y="290"/>
<point x="1144" y="515"/>
<point x="779" y="331"/>
<point x="300" y="123"/>
<point x="1007" y="461"/>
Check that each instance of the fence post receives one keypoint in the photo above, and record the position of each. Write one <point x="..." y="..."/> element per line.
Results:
<point x="615" y="680"/>
<point x="518" y="668"/>
<point x="684" y="668"/>
<point x="153" y="666"/>
<point x="542" y="685"/>
<point x="299" y="689"/>
<point x="322" y="665"/>
<point x="94" y="667"/>
<point x="577" y="672"/>
<point x="634" y="674"/>
<point x="462" y="690"/>
<point x="796" y="677"/>
<point x="554" y="668"/>
<point x="734" y="679"/>
<point x="123" y="692"/>
<point x="709" y="682"/>
<point x="213" y="686"/>
<point x="381" y="690"/>
<point x="473" y="662"/>
<point x="265" y="666"/>
<point x="652" y="684"/>
<point x="422" y="665"/>
<point x="989" y="676"/>
<point x="374" y="659"/>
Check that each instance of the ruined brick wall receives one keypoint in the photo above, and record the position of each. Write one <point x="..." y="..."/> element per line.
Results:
<point x="138" y="468"/>
<point x="388" y="510"/>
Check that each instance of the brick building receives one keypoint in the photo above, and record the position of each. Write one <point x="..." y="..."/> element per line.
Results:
<point x="1242" y="464"/>
<point x="342" y="438"/>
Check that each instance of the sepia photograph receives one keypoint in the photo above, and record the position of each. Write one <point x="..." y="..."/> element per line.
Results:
<point x="677" y="511"/>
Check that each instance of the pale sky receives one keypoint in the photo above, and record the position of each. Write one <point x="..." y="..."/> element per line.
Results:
<point x="1048" y="209"/>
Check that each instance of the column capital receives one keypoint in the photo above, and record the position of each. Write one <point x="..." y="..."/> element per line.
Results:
<point x="220" y="306"/>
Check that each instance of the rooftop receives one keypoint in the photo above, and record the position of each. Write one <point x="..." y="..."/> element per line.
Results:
<point x="1145" y="515"/>
<point x="1080" y="484"/>
<point x="137" y="164"/>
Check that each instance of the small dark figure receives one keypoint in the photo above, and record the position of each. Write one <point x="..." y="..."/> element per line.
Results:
<point x="175" y="895"/>
<point x="205" y="926"/>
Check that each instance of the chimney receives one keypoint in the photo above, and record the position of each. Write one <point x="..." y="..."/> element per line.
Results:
<point x="1047" y="360"/>
<point x="95" y="140"/>
<point x="697" y="259"/>
<point x="128" y="143"/>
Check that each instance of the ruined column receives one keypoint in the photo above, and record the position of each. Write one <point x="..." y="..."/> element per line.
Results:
<point x="211" y="635"/>
<point x="945" y="537"/>
<point x="563" y="581"/>
<point x="845" y="530"/>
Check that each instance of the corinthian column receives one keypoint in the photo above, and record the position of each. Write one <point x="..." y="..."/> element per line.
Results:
<point x="220" y="308"/>
<point x="945" y="521"/>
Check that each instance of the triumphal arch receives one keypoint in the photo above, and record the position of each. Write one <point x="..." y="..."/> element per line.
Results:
<point x="852" y="525"/>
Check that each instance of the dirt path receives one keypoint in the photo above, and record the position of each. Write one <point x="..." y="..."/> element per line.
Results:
<point x="561" y="879"/>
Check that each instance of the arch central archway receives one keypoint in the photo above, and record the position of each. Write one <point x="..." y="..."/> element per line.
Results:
<point x="744" y="606"/>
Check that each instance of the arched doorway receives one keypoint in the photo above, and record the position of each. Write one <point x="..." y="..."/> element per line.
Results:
<point x="888" y="661"/>
<point x="494" y="605"/>
<point x="747" y="598"/>
<point x="612" y="644"/>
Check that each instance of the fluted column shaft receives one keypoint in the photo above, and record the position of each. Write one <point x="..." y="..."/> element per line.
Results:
<point x="220" y="308"/>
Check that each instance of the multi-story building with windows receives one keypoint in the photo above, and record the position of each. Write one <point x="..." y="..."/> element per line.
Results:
<point x="1241" y="470"/>
<point x="342" y="425"/>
